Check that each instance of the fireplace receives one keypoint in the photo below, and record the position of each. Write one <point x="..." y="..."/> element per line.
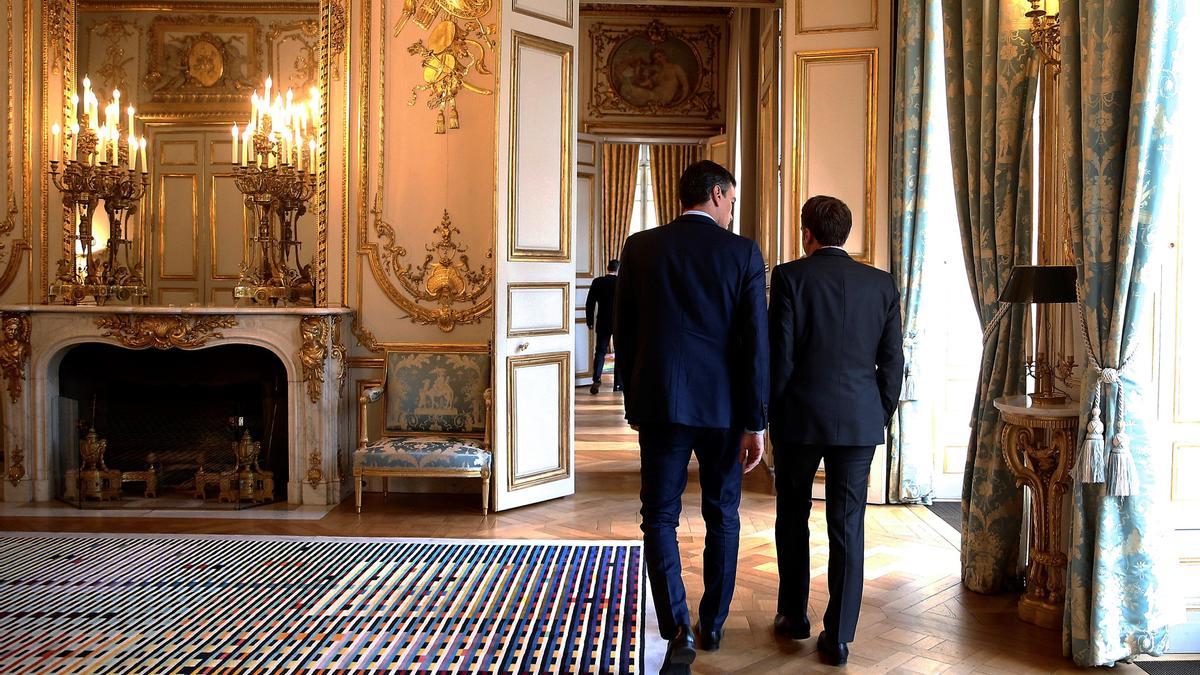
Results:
<point x="174" y="413"/>
<point x="166" y="381"/>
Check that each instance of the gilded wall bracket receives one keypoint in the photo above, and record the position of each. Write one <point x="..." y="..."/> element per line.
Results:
<point x="16" y="466"/>
<point x="164" y="331"/>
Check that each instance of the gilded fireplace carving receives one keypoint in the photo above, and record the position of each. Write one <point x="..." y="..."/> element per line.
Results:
<point x="139" y="331"/>
<point x="313" y="350"/>
<point x="14" y="352"/>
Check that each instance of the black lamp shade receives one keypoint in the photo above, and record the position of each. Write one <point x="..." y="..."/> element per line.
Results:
<point x="1040" y="284"/>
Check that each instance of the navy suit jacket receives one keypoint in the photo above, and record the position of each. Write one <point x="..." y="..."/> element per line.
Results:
<point x="599" y="303"/>
<point x="836" y="353"/>
<point x="690" y="331"/>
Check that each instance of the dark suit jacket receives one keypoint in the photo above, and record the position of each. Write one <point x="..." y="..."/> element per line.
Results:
<point x="836" y="353"/>
<point x="690" y="334"/>
<point x="600" y="303"/>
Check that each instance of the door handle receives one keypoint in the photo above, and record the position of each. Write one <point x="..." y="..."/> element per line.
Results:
<point x="522" y="346"/>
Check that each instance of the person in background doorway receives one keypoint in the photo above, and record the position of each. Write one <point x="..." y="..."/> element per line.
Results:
<point x="600" y="318"/>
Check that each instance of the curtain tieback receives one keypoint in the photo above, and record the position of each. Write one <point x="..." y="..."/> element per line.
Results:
<point x="1119" y="476"/>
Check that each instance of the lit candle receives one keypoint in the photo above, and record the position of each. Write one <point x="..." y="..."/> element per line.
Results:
<point x="312" y="155"/>
<point x="233" y="155"/>
<point x="132" y="152"/>
<point x="56" y="152"/>
<point x="130" y="111"/>
<point x="73" y="115"/>
<point x="102" y="145"/>
<point x="246" y="135"/>
<point x="267" y="91"/>
<point x="72" y="140"/>
<point x="142" y="147"/>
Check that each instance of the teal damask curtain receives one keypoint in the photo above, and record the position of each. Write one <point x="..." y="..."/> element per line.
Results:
<point x="990" y="90"/>
<point x="915" y="117"/>
<point x="1119" y="92"/>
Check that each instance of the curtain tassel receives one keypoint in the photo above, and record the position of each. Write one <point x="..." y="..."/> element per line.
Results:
<point x="440" y="125"/>
<point x="453" y="115"/>
<point x="1122" y="481"/>
<point x="1090" y="466"/>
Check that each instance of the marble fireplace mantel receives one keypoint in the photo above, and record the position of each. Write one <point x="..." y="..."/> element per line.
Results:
<point x="308" y="341"/>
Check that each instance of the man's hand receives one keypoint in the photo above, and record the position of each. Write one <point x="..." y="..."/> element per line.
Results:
<point x="752" y="450"/>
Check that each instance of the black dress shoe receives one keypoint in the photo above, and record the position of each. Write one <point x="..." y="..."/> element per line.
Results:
<point x="595" y="388"/>
<point x="709" y="640"/>
<point x="681" y="652"/>
<point x="835" y="654"/>
<point x="618" y="388"/>
<point x="793" y="630"/>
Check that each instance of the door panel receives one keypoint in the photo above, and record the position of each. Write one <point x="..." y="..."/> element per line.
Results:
<point x="535" y="338"/>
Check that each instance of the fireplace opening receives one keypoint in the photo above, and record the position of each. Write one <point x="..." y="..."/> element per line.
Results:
<point x="172" y="428"/>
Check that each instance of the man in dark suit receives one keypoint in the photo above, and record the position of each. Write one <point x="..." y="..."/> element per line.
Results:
<point x="600" y="316"/>
<point x="836" y="366"/>
<point x="691" y="346"/>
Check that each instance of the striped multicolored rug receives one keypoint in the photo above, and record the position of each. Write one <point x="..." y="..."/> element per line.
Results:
<point x="202" y="604"/>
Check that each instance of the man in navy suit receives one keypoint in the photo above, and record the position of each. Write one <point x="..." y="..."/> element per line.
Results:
<point x="600" y="317"/>
<point x="836" y="367"/>
<point x="691" y="347"/>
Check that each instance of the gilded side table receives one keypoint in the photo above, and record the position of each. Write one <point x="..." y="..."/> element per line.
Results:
<point x="1039" y="448"/>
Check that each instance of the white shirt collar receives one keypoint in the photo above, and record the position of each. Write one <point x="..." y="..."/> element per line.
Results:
<point x="694" y="212"/>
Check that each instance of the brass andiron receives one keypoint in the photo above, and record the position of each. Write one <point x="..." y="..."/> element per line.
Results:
<point x="247" y="481"/>
<point x="277" y="187"/>
<point x="99" y="171"/>
<point x="94" y="480"/>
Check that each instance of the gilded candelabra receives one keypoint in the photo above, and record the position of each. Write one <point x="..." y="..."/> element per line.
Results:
<point x="99" y="171"/>
<point x="277" y="187"/>
<point x="1043" y="30"/>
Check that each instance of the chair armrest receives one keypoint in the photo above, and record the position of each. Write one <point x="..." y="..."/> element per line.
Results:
<point x="366" y="398"/>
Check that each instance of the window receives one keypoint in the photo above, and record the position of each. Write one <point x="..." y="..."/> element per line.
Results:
<point x="644" y="216"/>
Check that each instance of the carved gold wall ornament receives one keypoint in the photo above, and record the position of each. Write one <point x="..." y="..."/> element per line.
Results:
<point x="16" y="466"/>
<point x="292" y="46"/>
<point x="113" y="73"/>
<point x="139" y="331"/>
<point x="338" y="27"/>
<point x="455" y="46"/>
<point x="203" y="59"/>
<point x="58" y="16"/>
<point x="313" y="350"/>
<point x="314" y="474"/>
<point x="14" y="351"/>
<point x="338" y="351"/>
<point x="445" y="278"/>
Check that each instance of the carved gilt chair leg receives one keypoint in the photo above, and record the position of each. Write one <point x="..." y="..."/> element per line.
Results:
<point x="486" y="474"/>
<point x="358" y="486"/>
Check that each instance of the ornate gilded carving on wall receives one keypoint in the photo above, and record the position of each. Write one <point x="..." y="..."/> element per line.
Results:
<point x="338" y="351"/>
<point x="14" y="351"/>
<point x="58" y="17"/>
<point x="313" y="350"/>
<point x="113" y="71"/>
<point x="314" y="474"/>
<point x="203" y="59"/>
<point x="654" y="74"/>
<point x="16" y="466"/>
<point x="292" y="49"/>
<point x="456" y="45"/>
<point x="338" y="28"/>
<point x="138" y="331"/>
<point x="444" y="278"/>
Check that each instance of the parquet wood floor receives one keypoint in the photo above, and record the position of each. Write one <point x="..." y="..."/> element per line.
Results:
<point x="916" y="618"/>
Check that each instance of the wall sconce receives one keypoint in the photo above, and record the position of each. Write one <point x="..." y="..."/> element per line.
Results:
<point x="1043" y="30"/>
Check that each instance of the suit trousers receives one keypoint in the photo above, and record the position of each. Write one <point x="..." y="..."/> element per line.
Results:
<point x="666" y="451"/>
<point x="602" y="340"/>
<point x="847" y="469"/>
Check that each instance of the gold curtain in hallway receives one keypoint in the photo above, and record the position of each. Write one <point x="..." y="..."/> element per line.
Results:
<point x="667" y="163"/>
<point x="620" y="188"/>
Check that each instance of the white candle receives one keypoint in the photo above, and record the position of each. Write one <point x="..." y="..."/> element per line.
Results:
<point x="56" y="147"/>
<point x="233" y="155"/>
<point x="142" y="147"/>
<point x="132" y="147"/>
<point x="130" y="111"/>
<point x="267" y="91"/>
<point x="102" y="146"/>
<point x="73" y="115"/>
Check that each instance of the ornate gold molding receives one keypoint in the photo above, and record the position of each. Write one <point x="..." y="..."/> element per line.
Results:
<point x="338" y="351"/>
<point x="58" y="27"/>
<point x="164" y="331"/>
<point x="16" y="466"/>
<point x="365" y="337"/>
<point x="313" y="350"/>
<point x="14" y="352"/>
